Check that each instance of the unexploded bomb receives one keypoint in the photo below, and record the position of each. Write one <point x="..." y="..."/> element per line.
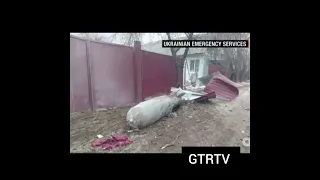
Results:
<point x="152" y="110"/>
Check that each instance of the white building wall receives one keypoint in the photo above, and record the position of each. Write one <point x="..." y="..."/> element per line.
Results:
<point x="203" y="68"/>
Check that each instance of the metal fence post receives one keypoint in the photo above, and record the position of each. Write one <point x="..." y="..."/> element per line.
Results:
<point x="90" y="79"/>
<point x="138" y="70"/>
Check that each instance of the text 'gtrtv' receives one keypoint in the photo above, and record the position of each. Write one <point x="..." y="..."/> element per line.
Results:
<point x="208" y="158"/>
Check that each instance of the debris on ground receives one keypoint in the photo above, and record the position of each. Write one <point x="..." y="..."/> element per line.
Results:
<point x="173" y="142"/>
<point x="174" y="114"/>
<point x="102" y="109"/>
<point x="224" y="88"/>
<point x="197" y="88"/>
<point x="189" y="95"/>
<point x="206" y="97"/>
<point x="99" y="136"/>
<point x="211" y="124"/>
<point x="152" y="110"/>
<point x="133" y="130"/>
<point x="194" y="96"/>
<point x="113" y="142"/>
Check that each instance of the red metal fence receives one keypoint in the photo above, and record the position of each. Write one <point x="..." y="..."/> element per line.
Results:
<point x="106" y="75"/>
<point x="158" y="74"/>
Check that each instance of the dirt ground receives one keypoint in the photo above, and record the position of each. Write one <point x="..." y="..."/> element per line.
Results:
<point x="218" y="123"/>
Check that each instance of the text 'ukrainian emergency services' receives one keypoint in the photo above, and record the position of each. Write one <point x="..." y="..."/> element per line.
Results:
<point x="205" y="43"/>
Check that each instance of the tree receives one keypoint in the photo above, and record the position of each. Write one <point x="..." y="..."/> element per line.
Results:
<point x="237" y="64"/>
<point x="93" y="36"/>
<point x="126" y="38"/>
<point x="179" y="61"/>
<point x="121" y="38"/>
<point x="129" y="38"/>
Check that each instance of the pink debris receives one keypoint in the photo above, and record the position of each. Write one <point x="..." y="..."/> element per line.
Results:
<point x="113" y="142"/>
<point x="120" y="138"/>
<point x="224" y="88"/>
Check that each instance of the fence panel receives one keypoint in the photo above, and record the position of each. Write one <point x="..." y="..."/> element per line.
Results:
<point x="158" y="74"/>
<point x="112" y="74"/>
<point x="106" y="75"/>
<point x="79" y="88"/>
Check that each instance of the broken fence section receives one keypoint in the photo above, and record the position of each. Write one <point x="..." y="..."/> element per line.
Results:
<point x="223" y="87"/>
<point x="194" y="96"/>
<point x="217" y="86"/>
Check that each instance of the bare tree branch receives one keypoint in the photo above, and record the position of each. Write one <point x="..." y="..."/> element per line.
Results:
<point x="176" y="49"/>
<point x="195" y="37"/>
<point x="169" y="36"/>
<point x="179" y="64"/>
<point x="112" y="37"/>
<point x="92" y="36"/>
<point x="190" y="35"/>
<point x="129" y="39"/>
<point x="173" y="52"/>
<point x="124" y="38"/>
<point x="237" y="59"/>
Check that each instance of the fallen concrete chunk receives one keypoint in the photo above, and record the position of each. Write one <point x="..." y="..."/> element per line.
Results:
<point x="152" y="110"/>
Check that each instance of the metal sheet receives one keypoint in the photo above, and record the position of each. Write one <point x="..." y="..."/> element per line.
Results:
<point x="79" y="87"/>
<point x="224" y="88"/>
